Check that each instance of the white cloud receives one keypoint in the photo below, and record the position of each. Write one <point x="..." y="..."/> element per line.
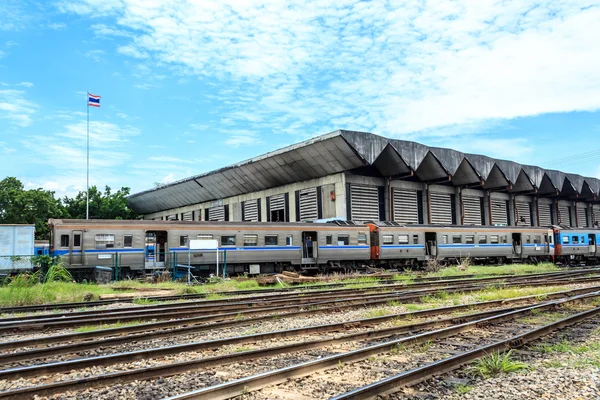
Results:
<point x="57" y="26"/>
<point x="242" y="140"/>
<point x="168" y="179"/>
<point x="15" y="108"/>
<point x="101" y="30"/>
<point x="392" y="68"/>
<point x="95" y="55"/>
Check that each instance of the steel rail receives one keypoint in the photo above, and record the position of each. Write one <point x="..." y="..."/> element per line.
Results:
<point x="81" y="346"/>
<point x="56" y="306"/>
<point x="207" y="306"/>
<point x="267" y="298"/>
<point x="179" y="367"/>
<point x="159" y="327"/>
<point x="68" y="322"/>
<point x="255" y="382"/>
<point x="111" y="359"/>
<point x="39" y="353"/>
<point x="413" y="376"/>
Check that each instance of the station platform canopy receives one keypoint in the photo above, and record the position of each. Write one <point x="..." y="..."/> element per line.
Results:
<point x="368" y="154"/>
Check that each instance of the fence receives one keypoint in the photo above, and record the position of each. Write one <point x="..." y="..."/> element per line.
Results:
<point x="124" y="265"/>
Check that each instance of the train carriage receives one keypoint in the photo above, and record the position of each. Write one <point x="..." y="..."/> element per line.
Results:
<point x="576" y="245"/>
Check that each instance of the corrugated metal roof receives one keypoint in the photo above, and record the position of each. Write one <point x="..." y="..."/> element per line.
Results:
<point x="347" y="150"/>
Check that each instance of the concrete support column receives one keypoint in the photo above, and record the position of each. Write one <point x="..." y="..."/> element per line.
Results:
<point x="535" y="220"/>
<point x="486" y="208"/>
<point x="554" y="211"/>
<point x="511" y="210"/>
<point x="590" y="215"/>
<point x="458" y="210"/>
<point x="426" y="203"/>
<point x="387" y="200"/>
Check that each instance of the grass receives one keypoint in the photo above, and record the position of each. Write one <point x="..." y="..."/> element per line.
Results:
<point x="517" y="269"/>
<point x="495" y="293"/>
<point x="462" y="388"/>
<point x="564" y="346"/>
<point x="542" y="318"/>
<point x="497" y="363"/>
<point x="89" y="328"/>
<point x="377" y="312"/>
<point x="145" y="302"/>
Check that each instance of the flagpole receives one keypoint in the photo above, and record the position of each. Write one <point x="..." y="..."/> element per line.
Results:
<point x="87" y="190"/>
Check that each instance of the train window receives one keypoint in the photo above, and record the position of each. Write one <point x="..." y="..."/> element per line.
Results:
<point x="270" y="240"/>
<point x="503" y="238"/>
<point x="445" y="239"/>
<point x="229" y="240"/>
<point x="343" y="240"/>
<point x="582" y="239"/>
<point x="402" y="239"/>
<point x="456" y="239"/>
<point x="528" y="239"/>
<point x="204" y="237"/>
<point x="415" y="239"/>
<point x="494" y="239"/>
<point x="64" y="241"/>
<point x="183" y="241"/>
<point x="575" y="239"/>
<point x="565" y="239"/>
<point x="470" y="239"/>
<point x="537" y="239"/>
<point x="289" y="240"/>
<point x="76" y="240"/>
<point x="127" y="240"/>
<point x="329" y="239"/>
<point x="388" y="239"/>
<point x="250" y="240"/>
<point x="482" y="239"/>
<point x="362" y="238"/>
<point x="105" y="240"/>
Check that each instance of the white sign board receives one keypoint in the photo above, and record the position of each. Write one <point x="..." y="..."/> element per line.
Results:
<point x="204" y="244"/>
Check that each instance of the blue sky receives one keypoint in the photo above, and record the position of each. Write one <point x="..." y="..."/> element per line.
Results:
<point x="190" y="86"/>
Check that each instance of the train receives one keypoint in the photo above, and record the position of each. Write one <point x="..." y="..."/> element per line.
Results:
<point x="141" y="246"/>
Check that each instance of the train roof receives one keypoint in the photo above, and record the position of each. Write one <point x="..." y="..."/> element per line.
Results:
<point x="57" y="222"/>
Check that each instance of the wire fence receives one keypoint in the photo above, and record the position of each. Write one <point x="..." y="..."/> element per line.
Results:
<point x="94" y="266"/>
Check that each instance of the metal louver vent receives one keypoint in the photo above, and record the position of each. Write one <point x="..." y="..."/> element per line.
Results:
<point x="498" y="212"/>
<point x="216" y="213"/>
<point x="563" y="214"/>
<point x="596" y="219"/>
<point x="187" y="216"/>
<point x="522" y="213"/>
<point x="251" y="210"/>
<point x="277" y="202"/>
<point x="406" y="209"/>
<point x="308" y="204"/>
<point x="172" y="217"/>
<point x="582" y="215"/>
<point x="364" y="203"/>
<point x="545" y="214"/>
<point x="441" y="208"/>
<point x="471" y="210"/>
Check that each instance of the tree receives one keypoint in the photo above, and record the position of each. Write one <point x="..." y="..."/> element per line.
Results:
<point x="105" y="205"/>
<point x="35" y="206"/>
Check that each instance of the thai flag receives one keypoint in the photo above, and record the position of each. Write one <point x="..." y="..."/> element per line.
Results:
<point x="93" y="100"/>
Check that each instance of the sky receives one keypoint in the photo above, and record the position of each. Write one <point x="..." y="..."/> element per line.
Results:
<point x="190" y="86"/>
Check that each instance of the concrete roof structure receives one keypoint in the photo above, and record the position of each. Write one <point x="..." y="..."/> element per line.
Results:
<point x="368" y="154"/>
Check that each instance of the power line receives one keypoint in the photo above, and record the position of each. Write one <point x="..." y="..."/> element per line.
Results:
<point x="575" y="157"/>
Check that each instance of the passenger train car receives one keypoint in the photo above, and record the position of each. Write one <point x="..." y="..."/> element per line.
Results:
<point x="140" y="246"/>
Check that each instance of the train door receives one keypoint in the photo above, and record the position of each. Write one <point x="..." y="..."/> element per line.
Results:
<point x="431" y="244"/>
<point x="517" y="244"/>
<point x="375" y="251"/>
<point x="592" y="245"/>
<point x="156" y="248"/>
<point x="76" y="246"/>
<point x="310" y="247"/>
<point x="547" y="242"/>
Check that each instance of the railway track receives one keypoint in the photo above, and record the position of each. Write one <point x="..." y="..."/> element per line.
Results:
<point x="63" y="376"/>
<point x="278" y="291"/>
<point x="219" y="310"/>
<point x="425" y="354"/>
